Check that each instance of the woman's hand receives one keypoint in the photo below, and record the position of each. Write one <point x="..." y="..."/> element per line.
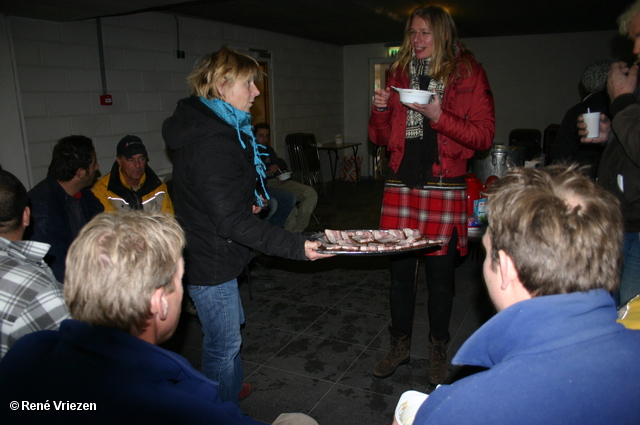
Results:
<point x="310" y="248"/>
<point x="256" y="208"/>
<point x="431" y="110"/>
<point x="605" y="129"/>
<point x="381" y="98"/>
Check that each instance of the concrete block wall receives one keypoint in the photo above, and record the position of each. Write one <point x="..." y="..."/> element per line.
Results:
<point x="59" y="81"/>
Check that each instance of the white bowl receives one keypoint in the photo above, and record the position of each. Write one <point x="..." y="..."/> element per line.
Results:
<point x="414" y="96"/>
<point x="284" y="176"/>
<point x="408" y="406"/>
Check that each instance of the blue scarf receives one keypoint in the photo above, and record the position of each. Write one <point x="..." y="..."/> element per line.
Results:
<point x="241" y="121"/>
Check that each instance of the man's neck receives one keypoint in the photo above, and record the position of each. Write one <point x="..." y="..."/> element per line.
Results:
<point x="72" y="187"/>
<point x="14" y="236"/>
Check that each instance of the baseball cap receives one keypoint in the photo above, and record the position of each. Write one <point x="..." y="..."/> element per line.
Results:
<point x="131" y="145"/>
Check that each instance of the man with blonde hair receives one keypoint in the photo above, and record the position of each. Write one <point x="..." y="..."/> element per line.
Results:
<point x="124" y="292"/>
<point x="554" y="351"/>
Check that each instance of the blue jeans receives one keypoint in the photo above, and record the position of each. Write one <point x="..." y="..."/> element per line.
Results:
<point x="630" y="283"/>
<point x="285" y="201"/>
<point x="221" y="314"/>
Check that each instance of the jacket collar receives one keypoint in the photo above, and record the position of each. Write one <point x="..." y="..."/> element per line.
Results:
<point x="540" y="324"/>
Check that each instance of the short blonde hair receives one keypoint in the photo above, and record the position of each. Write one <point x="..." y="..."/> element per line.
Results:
<point x="223" y="66"/>
<point x="116" y="263"/>
<point x="563" y="232"/>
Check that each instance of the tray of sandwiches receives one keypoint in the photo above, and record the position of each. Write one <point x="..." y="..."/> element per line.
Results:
<point x="373" y="242"/>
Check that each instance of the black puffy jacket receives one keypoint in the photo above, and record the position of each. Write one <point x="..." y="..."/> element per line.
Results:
<point x="214" y="180"/>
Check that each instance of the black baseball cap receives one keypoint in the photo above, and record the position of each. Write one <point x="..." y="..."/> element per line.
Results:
<point x="130" y="146"/>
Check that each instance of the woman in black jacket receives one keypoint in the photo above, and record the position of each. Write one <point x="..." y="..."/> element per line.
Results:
<point x="218" y="182"/>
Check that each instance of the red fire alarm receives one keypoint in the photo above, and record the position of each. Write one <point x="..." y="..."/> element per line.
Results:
<point x="106" y="100"/>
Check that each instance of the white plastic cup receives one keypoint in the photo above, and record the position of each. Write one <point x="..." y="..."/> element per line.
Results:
<point x="338" y="139"/>
<point x="592" y="119"/>
<point x="408" y="406"/>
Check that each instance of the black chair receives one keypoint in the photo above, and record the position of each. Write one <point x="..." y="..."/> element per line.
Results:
<point x="550" y="134"/>
<point x="305" y="160"/>
<point x="527" y="138"/>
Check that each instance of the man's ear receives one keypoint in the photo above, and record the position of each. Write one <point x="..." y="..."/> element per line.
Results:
<point x="81" y="173"/>
<point x="508" y="271"/>
<point x="26" y="216"/>
<point x="159" y="304"/>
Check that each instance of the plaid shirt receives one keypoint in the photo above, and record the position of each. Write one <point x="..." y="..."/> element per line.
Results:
<point x="30" y="297"/>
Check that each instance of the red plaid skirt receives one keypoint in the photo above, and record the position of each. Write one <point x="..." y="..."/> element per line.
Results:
<point x="435" y="212"/>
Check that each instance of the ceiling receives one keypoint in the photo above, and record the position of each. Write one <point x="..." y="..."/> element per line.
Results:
<point x="344" y="22"/>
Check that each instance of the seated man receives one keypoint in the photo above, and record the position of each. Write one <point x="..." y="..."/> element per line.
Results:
<point x="307" y="196"/>
<point x="30" y="298"/>
<point x="554" y="351"/>
<point x="124" y="292"/>
<point x="63" y="202"/>
<point x="132" y="184"/>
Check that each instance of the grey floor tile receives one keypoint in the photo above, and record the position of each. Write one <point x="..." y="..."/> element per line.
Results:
<point x="288" y="315"/>
<point x="413" y="375"/>
<point x="348" y="326"/>
<point x="365" y="299"/>
<point x="277" y="391"/>
<point x="346" y="405"/>
<point x="261" y="343"/>
<point x="316" y="357"/>
<point x="320" y="291"/>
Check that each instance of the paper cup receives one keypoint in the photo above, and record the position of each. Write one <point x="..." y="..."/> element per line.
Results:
<point x="284" y="176"/>
<point x="408" y="406"/>
<point x="593" y="124"/>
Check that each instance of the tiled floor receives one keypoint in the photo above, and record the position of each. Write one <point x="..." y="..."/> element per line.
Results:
<point x="314" y="332"/>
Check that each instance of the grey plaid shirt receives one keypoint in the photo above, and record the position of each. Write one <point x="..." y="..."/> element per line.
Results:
<point x="30" y="297"/>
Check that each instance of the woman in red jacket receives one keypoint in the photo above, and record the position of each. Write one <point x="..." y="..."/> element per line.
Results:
<point x="425" y="188"/>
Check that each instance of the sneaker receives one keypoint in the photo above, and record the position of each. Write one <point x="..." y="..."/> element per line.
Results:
<point x="245" y="392"/>
<point x="438" y="372"/>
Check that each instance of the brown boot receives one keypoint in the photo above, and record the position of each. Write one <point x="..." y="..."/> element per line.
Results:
<point x="438" y="371"/>
<point x="398" y="355"/>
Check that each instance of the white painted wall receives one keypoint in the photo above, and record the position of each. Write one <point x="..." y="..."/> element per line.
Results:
<point x="13" y="155"/>
<point x="59" y="81"/>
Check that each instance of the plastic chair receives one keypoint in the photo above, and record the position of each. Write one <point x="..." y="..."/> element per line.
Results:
<point x="305" y="160"/>
<point x="550" y="134"/>
<point x="529" y="138"/>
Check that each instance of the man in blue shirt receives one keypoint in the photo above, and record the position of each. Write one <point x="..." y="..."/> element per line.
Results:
<point x="554" y="353"/>
<point x="124" y="292"/>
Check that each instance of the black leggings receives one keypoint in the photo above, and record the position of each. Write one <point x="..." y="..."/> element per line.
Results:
<point x="440" y="280"/>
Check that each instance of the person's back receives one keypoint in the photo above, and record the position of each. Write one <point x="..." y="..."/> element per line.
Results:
<point x="554" y="351"/>
<point x="113" y="377"/>
<point x="30" y="296"/>
<point x="552" y="359"/>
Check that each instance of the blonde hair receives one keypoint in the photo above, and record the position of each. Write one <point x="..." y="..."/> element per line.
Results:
<point x="116" y="263"/>
<point x="445" y="38"/>
<point x="624" y="20"/>
<point x="223" y="66"/>
<point x="563" y="232"/>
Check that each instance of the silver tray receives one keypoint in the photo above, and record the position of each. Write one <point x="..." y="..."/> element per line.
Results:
<point x="322" y="249"/>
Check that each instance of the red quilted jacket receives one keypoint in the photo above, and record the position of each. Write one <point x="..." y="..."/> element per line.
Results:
<point x="467" y="123"/>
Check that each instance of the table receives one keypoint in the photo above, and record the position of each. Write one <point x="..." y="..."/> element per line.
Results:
<point x="333" y="147"/>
